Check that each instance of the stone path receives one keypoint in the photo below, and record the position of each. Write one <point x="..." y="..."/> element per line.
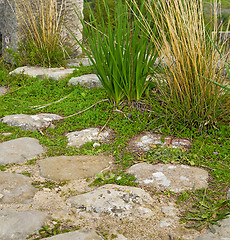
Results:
<point x="31" y="122"/>
<point x="57" y="188"/>
<point x="88" y="80"/>
<point x="52" y="73"/>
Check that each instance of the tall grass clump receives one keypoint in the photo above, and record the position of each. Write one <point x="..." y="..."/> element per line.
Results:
<point x="189" y="59"/>
<point x="42" y="26"/>
<point x="121" y="53"/>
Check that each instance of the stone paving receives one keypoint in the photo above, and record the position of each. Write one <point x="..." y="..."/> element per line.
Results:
<point x="28" y="202"/>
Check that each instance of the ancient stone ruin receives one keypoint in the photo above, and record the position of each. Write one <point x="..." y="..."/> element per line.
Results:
<point x="11" y="20"/>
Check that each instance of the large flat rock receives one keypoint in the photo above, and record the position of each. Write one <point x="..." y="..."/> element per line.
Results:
<point x="73" y="167"/>
<point x="146" y="141"/>
<point x="176" y="178"/>
<point x="15" y="188"/>
<point x="77" y="235"/>
<point x="88" y="80"/>
<point x="114" y="200"/>
<point x="31" y="122"/>
<point x="78" y="138"/>
<point x="19" y="150"/>
<point x="19" y="225"/>
<point x="53" y="73"/>
<point x="222" y="232"/>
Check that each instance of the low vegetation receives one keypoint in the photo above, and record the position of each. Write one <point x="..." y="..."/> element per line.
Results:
<point x="184" y="98"/>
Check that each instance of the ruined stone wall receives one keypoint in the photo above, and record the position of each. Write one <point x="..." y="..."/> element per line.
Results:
<point x="12" y="22"/>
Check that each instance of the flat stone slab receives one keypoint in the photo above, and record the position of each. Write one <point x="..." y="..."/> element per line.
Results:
<point x="3" y="90"/>
<point x="78" y="62"/>
<point x="19" y="225"/>
<point x="175" y="178"/>
<point x="19" y="150"/>
<point x="15" y="188"/>
<point x="88" y="80"/>
<point x="53" y="73"/>
<point x="222" y="232"/>
<point x="31" y="122"/>
<point x="146" y="141"/>
<point x="78" y="138"/>
<point x="64" y="168"/>
<point x="77" y="235"/>
<point x="114" y="200"/>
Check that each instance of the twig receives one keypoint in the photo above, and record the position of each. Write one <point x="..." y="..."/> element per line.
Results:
<point x="117" y="110"/>
<point x="103" y="100"/>
<point x="208" y="168"/>
<point x="105" y="124"/>
<point x="48" y="104"/>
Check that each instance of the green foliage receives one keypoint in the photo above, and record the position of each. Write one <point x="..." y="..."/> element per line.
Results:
<point x="119" y="178"/>
<point x="121" y="53"/>
<point x="170" y="155"/>
<point x="206" y="210"/>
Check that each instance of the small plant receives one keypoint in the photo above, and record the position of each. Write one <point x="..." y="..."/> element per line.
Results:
<point x="206" y="210"/>
<point x="121" y="54"/>
<point x="119" y="178"/>
<point x="169" y="155"/>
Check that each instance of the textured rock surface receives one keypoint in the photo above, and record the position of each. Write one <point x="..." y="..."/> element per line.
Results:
<point x="31" y="122"/>
<point x="222" y="232"/>
<point x="88" y="80"/>
<point x="114" y="200"/>
<point x="3" y="90"/>
<point x="18" y="225"/>
<point x="77" y="235"/>
<point x="79" y="62"/>
<point x="15" y="188"/>
<point x="73" y="167"/>
<point x="176" y="178"/>
<point x="147" y="141"/>
<point x="79" y="138"/>
<point x="19" y="150"/>
<point x="53" y="73"/>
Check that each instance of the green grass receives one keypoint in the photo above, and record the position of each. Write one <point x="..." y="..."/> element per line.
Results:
<point x="210" y="147"/>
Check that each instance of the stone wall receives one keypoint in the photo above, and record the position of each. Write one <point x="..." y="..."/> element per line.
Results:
<point x="12" y="22"/>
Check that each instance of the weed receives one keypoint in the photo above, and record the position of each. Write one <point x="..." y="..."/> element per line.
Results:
<point x="119" y="178"/>
<point x="28" y="174"/>
<point x="169" y="155"/>
<point x="55" y="228"/>
<point x="48" y="184"/>
<point x="206" y="209"/>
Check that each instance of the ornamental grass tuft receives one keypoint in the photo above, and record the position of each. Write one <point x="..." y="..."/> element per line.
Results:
<point x="189" y="60"/>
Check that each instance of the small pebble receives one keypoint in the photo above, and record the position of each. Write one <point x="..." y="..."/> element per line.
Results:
<point x="1" y="196"/>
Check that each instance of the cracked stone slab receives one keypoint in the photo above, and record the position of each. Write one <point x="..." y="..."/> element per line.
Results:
<point x="176" y="178"/>
<point x="52" y="73"/>
<point x="146" y="141"/>
<point x="31" y="122"/>
<point x="64" y="168"/>
<point x="3" y="91"/>
<point x="19" y="150"/>
<point x="222" y="231"/>
<point x="77" y="235"/>
<point x="15" y="188"/>
<point x="88" y="80"/>
<point x="78" y="138"/>
<point x="19" y="225"/>
<point x="114" y="200"/>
